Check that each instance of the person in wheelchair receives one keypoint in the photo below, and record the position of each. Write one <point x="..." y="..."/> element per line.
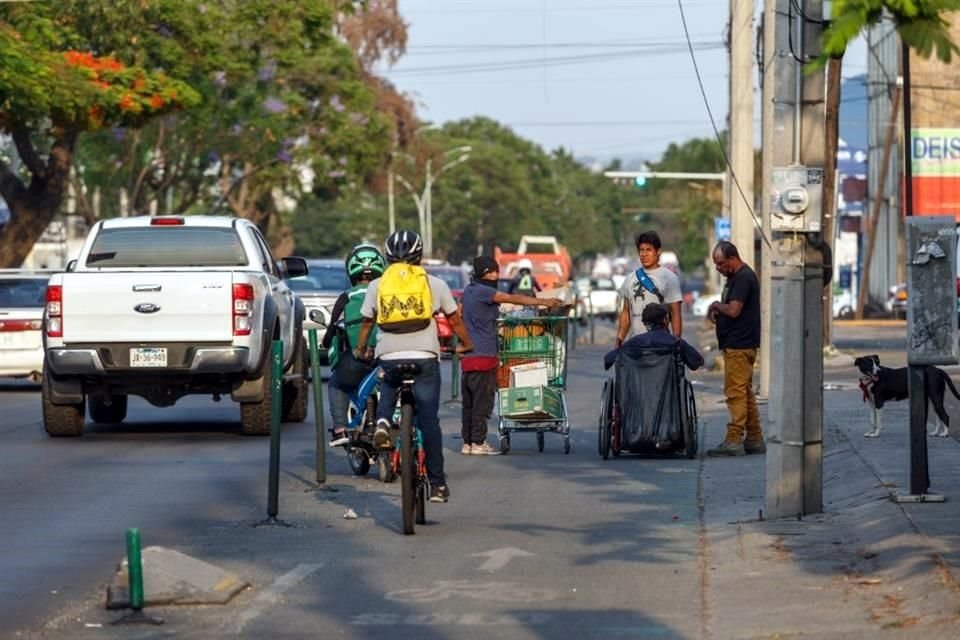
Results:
<point x="656" y="318"/>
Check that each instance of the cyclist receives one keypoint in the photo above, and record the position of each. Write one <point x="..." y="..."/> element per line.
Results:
<point x="364" y="263"/>
<point x="420" y="346"/>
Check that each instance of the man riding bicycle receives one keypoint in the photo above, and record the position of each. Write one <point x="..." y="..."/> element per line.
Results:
<point x="402" y="303"/>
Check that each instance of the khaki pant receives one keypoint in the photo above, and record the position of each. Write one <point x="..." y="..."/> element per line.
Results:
<point x="741" y="401"/>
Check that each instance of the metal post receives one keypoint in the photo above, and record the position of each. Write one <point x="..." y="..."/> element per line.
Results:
<point x="593" y="333"/>
<point x="135" y="590"/>
<point x="321" y="463"/>
<point x="276" y="404"/>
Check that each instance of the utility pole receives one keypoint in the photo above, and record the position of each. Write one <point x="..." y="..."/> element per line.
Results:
<point x="767" y="90"/>
<point x="795" y="429"/>
<point x="741" y="129"/>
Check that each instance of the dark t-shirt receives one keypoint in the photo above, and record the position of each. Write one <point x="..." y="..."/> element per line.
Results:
<point x="480" y="317"/>
<point x="742" y="332"/>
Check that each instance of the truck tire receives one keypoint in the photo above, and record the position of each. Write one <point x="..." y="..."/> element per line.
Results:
<point x="60" y="420"/>
<point x="295" y="392"/>
<point x="255" y="416"/>
<point x="115" y="412"/>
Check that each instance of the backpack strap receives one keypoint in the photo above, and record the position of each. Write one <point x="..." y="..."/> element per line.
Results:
<point x="644" y="280"/>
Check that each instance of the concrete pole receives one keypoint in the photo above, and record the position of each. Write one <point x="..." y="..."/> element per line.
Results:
<point x="795" y="429"/>
<point x="428" y="205"/>
<point x="768" y="86"/>
<point x="741" y="128"/>
<point x="391" y="211"/>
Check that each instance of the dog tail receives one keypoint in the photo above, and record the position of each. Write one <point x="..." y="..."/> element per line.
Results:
<point x="950" y="384"/>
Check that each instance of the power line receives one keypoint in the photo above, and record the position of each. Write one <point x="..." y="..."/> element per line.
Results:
<point x="713" y="124"/>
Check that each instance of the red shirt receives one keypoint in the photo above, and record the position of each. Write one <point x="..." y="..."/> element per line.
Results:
<point x="479" y="363"/>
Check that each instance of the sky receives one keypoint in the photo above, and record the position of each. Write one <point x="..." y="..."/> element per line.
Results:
<point x="601" y="77"/>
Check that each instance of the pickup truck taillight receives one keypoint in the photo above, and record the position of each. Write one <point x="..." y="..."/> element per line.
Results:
<point x="54" y="299"/>
<point x="242" y="309"/>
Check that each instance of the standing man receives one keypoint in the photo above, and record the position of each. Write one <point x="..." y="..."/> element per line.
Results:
<point x="737" y="316"/>
<point x="481" y="307"/>
<point x="648" y="284"/>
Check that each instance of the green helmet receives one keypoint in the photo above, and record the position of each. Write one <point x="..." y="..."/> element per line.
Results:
<point x="364" y="262"/>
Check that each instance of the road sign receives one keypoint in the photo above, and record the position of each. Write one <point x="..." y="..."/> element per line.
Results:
<point x="721" y="228"/>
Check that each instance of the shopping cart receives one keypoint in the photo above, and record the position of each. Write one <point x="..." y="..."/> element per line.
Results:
<point x="541" y="344"/>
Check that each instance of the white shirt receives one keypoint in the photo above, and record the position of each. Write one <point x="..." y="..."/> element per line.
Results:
<point x="638" y="297"/>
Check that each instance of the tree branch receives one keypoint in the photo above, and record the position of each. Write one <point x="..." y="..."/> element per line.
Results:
<point x="27" y="152"/>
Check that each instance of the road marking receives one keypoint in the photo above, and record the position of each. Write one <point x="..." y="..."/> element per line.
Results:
<point x="271" y="595"/>
<point x="490" y="591"/>
<point x="499" y="558"/>
<point x="446" y="619"/>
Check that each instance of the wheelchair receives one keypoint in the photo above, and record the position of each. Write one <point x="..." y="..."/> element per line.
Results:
<point x="648" y="406"/>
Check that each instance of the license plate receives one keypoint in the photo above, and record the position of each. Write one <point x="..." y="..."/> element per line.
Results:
<point x="148" y="357"/>
<point x="9" y="340"/>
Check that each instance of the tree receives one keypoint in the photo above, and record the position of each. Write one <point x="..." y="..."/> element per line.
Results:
<point x="52" y="88"/>
<point x="923" y="28"/>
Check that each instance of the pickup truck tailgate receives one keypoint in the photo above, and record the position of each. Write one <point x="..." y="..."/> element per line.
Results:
<point x="137" y="306"/>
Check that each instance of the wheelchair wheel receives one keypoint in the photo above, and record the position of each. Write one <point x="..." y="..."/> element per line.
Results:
<point x="606" y="418"/>
<point x="690" y="434"/>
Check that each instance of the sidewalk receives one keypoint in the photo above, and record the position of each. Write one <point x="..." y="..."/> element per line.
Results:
<point x="866" y="568"/>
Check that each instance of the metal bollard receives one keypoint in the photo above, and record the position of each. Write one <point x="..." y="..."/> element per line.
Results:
<point x="276" y="404"/>
<point x="319" y="417"/>
<point x="455" y="370"/>
<point x="593" y="335"/>
<point x="135" y="583"/>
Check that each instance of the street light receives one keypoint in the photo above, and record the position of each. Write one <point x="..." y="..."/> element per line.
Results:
<point x="424" y="201"/>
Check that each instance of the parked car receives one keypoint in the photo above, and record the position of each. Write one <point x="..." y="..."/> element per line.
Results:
<point x="167" y="306"/>
<point x="319" y="289"/>
<point x="22" y="299"/>
<point x="604" y="298"/>
<point x="457" y="279"/>
<point x="702" y="304"/>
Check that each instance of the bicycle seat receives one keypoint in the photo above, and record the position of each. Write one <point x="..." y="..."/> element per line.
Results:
<point x="407" y="369"/>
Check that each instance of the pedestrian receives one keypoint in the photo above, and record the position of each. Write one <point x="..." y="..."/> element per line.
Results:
<point x="737" y="316"/>
<point x="402" y="303"/>
<point x="480" y="306"/>
<point x="525" y="284"/>
<point x="650" y="283"/>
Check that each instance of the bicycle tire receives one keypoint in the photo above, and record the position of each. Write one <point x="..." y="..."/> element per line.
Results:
<point x="408" y="473"/>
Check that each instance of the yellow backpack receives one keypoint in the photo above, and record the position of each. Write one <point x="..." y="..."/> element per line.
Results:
<point x="404" y="300"/>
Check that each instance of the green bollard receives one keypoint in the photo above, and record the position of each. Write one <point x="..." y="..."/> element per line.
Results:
<point x="318" y="406"/>
<point x="455" y="370"/>
<point x="276" y="404"/>
<point x="135" y="569"/>
<point x="135" y="584"/>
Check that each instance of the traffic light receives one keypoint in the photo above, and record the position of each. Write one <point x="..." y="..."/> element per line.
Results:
<point x="640" y="181"/>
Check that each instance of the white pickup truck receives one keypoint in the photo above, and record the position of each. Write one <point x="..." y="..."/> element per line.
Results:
<point x="163" y="307"/>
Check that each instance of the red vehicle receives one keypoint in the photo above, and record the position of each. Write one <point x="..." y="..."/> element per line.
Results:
<point x="457" y="279"/>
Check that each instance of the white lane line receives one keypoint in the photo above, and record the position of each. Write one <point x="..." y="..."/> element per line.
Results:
<point x="271" y="595"/>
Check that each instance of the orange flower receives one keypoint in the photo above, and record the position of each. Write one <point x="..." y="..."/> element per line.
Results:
<point x="96" y="115"/>
<point x="102" y="85"/>
<point x="109" y="64"/>
<point x="139" y="83"/>
<point x="127" y="103"/>
<point x="157" y="102"/>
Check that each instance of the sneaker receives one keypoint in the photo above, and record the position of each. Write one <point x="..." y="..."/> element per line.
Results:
<point x="339" y="437"/>
<point x="439" y="493"/>
<point x="466" y="450"/>
<point x="381" y="437"/>
<point x="484" y="449"/>
<point x="727" y="448"/>
<point x="754" y="446"/>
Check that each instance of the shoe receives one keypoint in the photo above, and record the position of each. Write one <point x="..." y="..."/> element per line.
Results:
<point x="727" y="448"/>
<point x="754" y="446"/>
<point x="485" y="449"/>
<point x="439" y="493"/>
<point x="381" y="437"/>
<point x="339" y="437"/>
<point x="466" y="450"/>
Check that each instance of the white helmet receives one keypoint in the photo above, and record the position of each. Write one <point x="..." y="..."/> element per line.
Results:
<point x="524" y="263"/>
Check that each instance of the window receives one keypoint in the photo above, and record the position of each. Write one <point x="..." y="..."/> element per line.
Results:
<point x="322" y="278"/>
<point x="269" y="264"/>
<point x="28" y="292"/>
<point x="179" y="246"/>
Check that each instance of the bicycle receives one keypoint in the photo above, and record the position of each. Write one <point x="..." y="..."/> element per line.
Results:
<point x="409" y="458"/>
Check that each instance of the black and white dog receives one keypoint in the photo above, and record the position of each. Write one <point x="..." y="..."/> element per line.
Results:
<point x="882" y="384"/>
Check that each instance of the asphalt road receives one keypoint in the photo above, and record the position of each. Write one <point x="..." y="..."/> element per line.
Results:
<point x="573" y="544"/>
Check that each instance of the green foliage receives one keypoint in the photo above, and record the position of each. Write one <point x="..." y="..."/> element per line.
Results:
<point x="921" y="24"/>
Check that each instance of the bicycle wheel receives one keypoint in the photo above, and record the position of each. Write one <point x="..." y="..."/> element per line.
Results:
<point x="408" y="472"/>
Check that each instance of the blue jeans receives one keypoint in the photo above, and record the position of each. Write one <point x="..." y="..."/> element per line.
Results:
<point x="339" y="401"/>
<point x="426" y="392"/>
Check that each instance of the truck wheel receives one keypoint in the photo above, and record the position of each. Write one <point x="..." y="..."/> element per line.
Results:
<point x="60" y="420"/>
<point x="295" y="392"/>
<point x="115" y="412"/>
<point x="255" y="416"/>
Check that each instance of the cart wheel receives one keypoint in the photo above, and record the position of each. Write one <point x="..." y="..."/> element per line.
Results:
<point x="540" y="441"/>
<point x="505" y="444"/>
<point x="566" y="445"/>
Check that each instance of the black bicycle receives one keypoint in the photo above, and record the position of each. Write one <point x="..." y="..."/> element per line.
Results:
<point x="409" y="457"/>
